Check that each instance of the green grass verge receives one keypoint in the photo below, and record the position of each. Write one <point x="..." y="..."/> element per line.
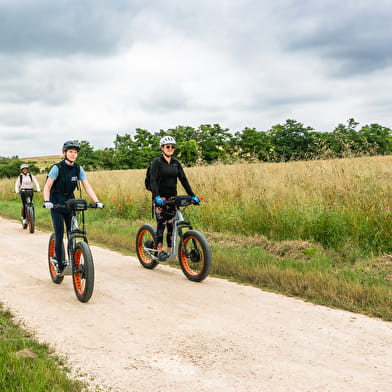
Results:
<point x="29" y="366"/>
<point x="305" y="270"/>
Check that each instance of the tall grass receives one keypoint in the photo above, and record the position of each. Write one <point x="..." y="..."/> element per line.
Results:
<point x="320" y="230"/>
<point x="340" y="204"/>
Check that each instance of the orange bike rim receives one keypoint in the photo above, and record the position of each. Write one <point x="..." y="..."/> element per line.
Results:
<point x="77" y="276"/>
<point x="184" y="260"/>
<point x="140" y="246"/>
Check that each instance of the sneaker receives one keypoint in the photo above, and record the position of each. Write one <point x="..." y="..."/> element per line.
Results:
<point x="60" y="271"/>
<point x="162" y="256"/>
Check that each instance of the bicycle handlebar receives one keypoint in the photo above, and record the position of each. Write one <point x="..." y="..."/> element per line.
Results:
<point x="74" y="205"/>
<point x="181" y="201"/>
<point x="66" y="206"/>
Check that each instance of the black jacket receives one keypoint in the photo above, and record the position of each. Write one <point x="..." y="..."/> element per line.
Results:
<point x="163" y="178"/>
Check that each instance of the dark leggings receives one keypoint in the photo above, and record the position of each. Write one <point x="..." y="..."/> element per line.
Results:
<point x="23" y="196"/>
<point x="165" y="218"/>
<point x="59" y="217"/>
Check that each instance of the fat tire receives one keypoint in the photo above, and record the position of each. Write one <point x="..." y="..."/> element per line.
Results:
<point x="31" y="219"/>
<point x="191" y="238"/>
<point x="145" y="233"/>
<point x="83" y="272"/>
<point x="52" y="253"/>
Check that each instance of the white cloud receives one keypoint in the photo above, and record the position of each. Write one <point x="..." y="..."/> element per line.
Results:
<point x="94" y="70"/>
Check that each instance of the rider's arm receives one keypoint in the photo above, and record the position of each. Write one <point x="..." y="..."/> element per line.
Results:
<point x="52" y="175"/>
<point x="48" y="187"/>
<point x="87" y="186"/>
<point x="89" y="191"/>
<point x="17" y="185"/>
<point x="184" y="180"/>
<point x="154" y="176"/>
<point x="36" y="184"/>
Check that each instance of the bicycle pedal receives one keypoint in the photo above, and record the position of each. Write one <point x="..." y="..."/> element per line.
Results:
<point x="171" y="257"/>
<point x="67" y="270"/>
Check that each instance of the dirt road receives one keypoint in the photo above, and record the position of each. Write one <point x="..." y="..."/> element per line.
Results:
<point x="156" y="331"/>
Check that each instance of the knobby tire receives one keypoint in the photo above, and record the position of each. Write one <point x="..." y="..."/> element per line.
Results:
<point x="83" y="272"/>
<point x="31" y="218"/>
<point x="145" y="236"/>
<point x="51" y="254"/>
<point x="196" y="261"/>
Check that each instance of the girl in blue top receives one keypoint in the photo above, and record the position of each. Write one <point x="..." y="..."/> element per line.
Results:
<point x="60" y="186"/>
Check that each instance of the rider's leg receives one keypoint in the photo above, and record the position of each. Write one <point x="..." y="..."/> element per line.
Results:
<point x="169" y="236"/>
<point x="160" y="217"/>
<point x="59" y="217"/>
<point x="23" y="197"/>
<point x="170" y="215"/>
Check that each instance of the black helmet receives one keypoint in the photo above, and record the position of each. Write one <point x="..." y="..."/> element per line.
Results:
<point x="71" y="144"/>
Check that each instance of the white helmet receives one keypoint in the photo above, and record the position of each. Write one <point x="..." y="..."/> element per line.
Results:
<point x="167" y="140"/>
<point x="24" y="166"/>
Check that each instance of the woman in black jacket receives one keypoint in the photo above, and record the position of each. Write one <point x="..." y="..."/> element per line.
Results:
<point x="163" y="176"/>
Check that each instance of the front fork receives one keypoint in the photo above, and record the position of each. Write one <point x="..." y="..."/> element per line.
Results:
<point x="72" y="235"/>
<point x="181" y="226"/>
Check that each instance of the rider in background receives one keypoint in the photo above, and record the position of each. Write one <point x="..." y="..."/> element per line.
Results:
<point x="60" y="185"/>
<point x="163" y="177"/>
<point x="25" y="181"/>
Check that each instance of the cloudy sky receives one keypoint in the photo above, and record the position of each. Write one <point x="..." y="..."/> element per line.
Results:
<point x="91" y="69"/>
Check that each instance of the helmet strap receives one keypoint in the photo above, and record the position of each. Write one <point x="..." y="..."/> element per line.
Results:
<point x="165" y="155"/>
<point x="66" y="158"/>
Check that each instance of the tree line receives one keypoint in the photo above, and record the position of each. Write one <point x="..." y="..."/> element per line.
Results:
<point x="208" y="144"/>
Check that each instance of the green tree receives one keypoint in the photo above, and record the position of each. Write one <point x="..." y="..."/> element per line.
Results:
<point x="105" y="158"/>
<point x="252" y="144"/>
<point x="188" y="152"/>
<point x="290" y="140"/>
<point x="146" y="145"/>
<point x="214" y="143"/>
<point x="345" y="141"/>
<point x="87" y="157"/>
<point x="378" y="139"/>
<point x="10" y="167"/>
<point x="125" y="152"/>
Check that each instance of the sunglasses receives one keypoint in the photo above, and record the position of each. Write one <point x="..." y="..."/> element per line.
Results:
<point x="169" y="147"/>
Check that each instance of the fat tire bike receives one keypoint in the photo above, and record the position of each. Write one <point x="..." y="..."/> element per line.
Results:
<point x="29" y="209"/>
<point x="80" y="260"/>
<point x="191" y="247"/>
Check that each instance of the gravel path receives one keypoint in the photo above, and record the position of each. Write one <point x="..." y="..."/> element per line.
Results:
<point x="156" y="331"/>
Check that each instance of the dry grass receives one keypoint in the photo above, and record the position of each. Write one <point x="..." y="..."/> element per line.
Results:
<point x="320" y="230"/>
<point x="43" y="162"/>
<point x="311" y="181"/>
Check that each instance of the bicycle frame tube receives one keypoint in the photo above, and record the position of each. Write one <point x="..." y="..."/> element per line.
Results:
<point x="73" y="234"/>
<point x="178" y="226"/>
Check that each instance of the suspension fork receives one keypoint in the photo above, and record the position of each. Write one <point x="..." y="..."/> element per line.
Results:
<point x="181" y="226"/>
<point x="73" y="234"/>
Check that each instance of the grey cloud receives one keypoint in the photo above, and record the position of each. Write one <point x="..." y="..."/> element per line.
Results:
<point x="19" y="92"/>
<point x="354" y="36"/>
<point x="165" y="100"/>
<point x="56" y="28"/>
<point x="13" y="119"/>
